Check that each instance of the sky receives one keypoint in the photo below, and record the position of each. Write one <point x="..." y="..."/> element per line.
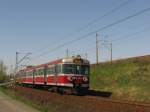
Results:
<point x="47" y="28"/>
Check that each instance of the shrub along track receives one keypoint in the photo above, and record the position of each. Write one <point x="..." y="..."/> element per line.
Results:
<point x="53" y="102"/>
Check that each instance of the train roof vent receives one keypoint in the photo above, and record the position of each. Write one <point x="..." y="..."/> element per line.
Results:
<point x="78" y="57"/>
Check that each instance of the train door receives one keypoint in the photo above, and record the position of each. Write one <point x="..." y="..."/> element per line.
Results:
<point x="39" y="75"/>
<point x="58" y="72"/>
<point x="55" y="75"/>
<point x="51" y="75"/>
<point x="33" y="76"/>
<point x="45" y="75"/>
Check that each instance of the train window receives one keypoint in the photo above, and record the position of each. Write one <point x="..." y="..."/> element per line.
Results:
<point x="75" y="69"/>
<point x="85" y="69"/>
<point x="39" y="72"/>
<point x="29" y="73"/>
<point x="36" y="72"/>
<point x="68" y="69"/>
<point x="51" y="70"/>
<point x="23" y="74"/>
<point x="78" y="69"/>
<point x="58" y="69"/>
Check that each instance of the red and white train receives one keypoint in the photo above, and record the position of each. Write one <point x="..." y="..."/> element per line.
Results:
<point x="70" y="73"/>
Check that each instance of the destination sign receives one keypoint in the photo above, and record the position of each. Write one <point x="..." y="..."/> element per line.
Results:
<point x="78" y="61"/>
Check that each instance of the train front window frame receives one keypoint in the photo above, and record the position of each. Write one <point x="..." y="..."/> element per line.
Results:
<point x="68" y="68"/>
<point x="75" y="69"/>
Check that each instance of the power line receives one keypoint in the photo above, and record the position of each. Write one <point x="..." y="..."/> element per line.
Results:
<point x="127" y="40"/>
<point x="106" y="14"/>
<point x="124" y="19"/>
<point x="89" y="24"/>
<point x="126" y="37"/>
<point x="130" y="35"/>
<point x="120" y="39"/>
<point x="93" y="32"/>
<point x="19" y="61"/>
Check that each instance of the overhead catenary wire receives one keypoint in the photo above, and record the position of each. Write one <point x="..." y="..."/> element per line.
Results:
<point x="130" y="35"/>
<point x="125" y="41"/>
<point x="127" y="37"/>
<point x="106" y="14"/>
<point x="93" y="32"/>
<point x="89" y="24"/>
<point x="108" y="43"/>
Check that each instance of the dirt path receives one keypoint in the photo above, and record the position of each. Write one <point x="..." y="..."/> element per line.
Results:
<point x="9" y="105"/>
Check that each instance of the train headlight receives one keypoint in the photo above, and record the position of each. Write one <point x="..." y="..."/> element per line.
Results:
<point x="71" y="78"/>
<point x="85" y="79"/>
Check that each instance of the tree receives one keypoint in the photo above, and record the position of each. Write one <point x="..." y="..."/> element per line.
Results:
<point x="3" y="76"/>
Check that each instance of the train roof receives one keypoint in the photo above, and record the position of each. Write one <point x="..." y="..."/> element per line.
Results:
<point x="74" y="59"/>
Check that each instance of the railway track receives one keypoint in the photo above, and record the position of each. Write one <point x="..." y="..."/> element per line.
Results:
<point x="86" y="103"/>
<point x="105" y="96"/>
<point x="122" y="102"/>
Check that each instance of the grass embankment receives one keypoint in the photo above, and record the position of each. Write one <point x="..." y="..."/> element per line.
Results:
<point x="127" y="79"/>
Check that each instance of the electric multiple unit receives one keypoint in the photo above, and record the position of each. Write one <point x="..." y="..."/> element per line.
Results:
<point x="70" y="72"/>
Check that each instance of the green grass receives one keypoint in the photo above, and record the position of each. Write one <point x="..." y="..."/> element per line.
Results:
<point x="53" y="105"/>
<point x="127" y="79"/>
<point x="13" y="95"/>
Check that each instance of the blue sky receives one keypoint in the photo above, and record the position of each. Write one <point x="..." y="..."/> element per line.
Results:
<point x="38" y="26"/>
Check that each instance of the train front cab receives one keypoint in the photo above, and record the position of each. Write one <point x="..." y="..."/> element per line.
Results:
<point x="76" y="74"/>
